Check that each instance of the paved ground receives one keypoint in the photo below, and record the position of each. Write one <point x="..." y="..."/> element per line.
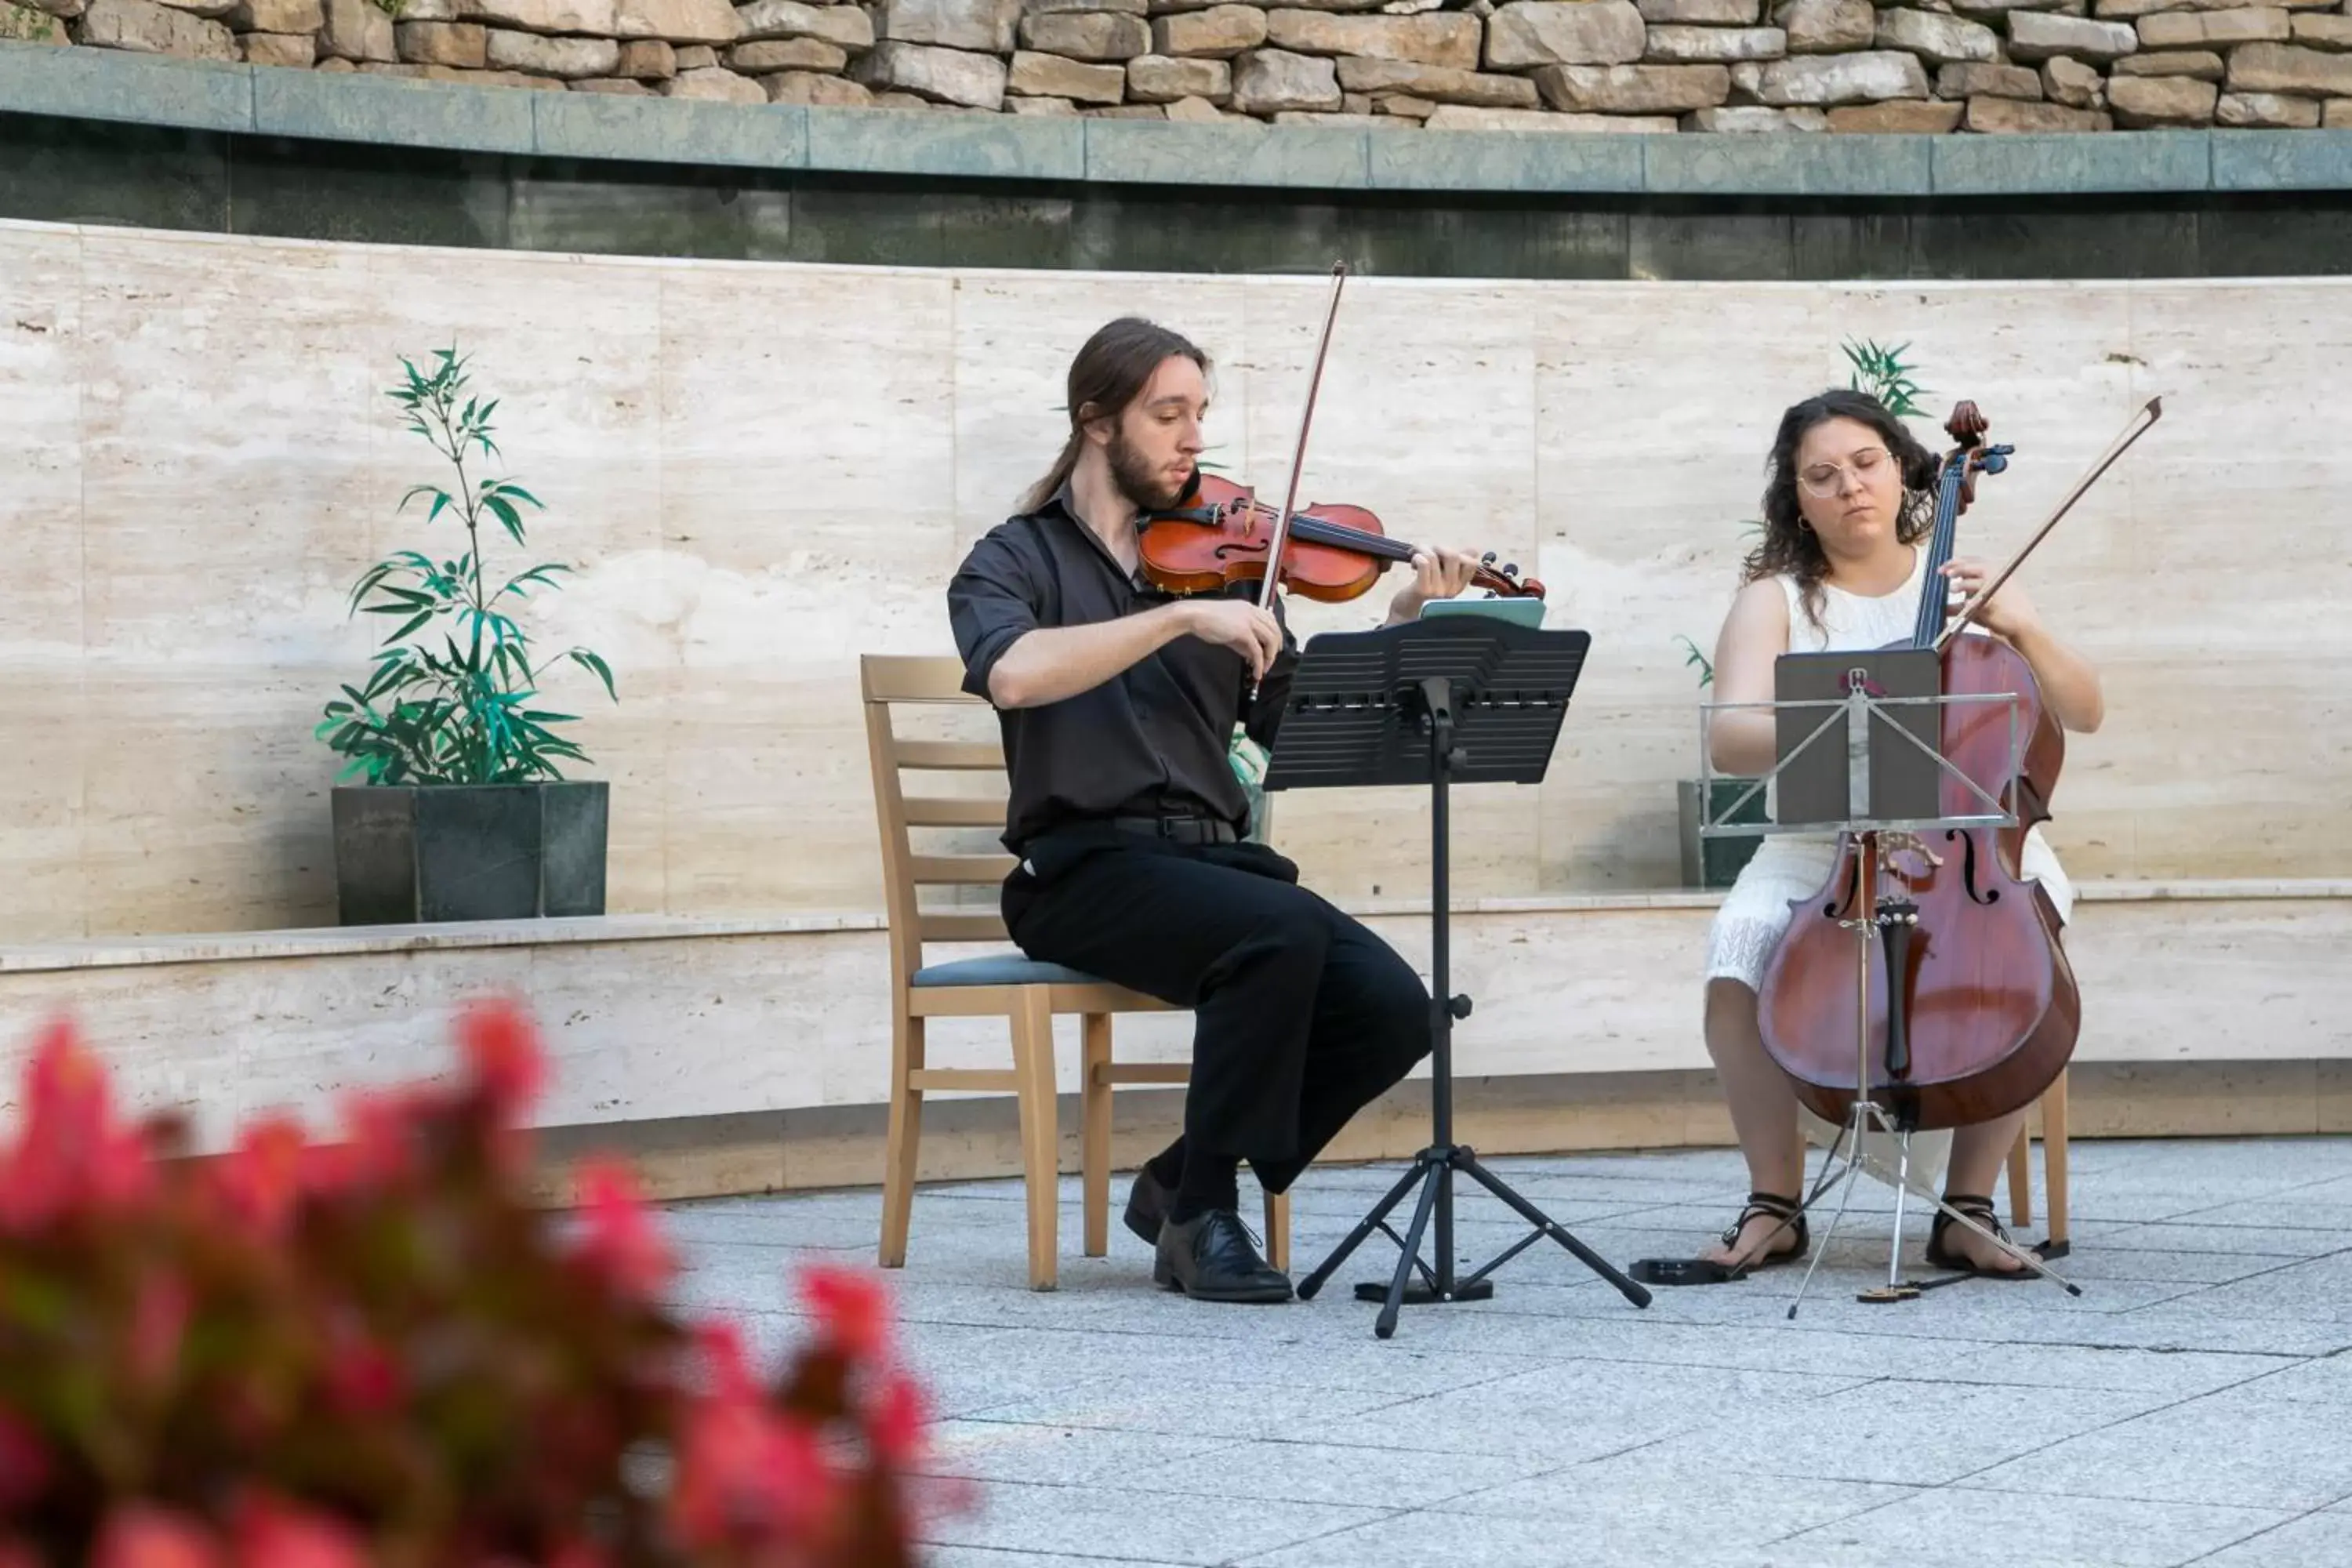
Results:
<point x="2193" y="1405"/>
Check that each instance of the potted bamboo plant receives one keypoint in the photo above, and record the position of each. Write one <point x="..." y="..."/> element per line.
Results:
<point x="464" y="813"/>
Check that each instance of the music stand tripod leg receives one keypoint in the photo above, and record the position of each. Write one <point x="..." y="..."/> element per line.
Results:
<point x="1845" y="1185"/>
<point x="1544" y="1226"/>
<point x="1356" y="1237"/>
<point x="1409" y="1259"/>
<point x="1436" y="1164"/>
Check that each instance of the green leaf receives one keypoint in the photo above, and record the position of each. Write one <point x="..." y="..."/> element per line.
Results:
<point x="597" y="666"/>
<point x="503" y="510"/>
<point x="411" y="627"/>
<point x="536" y="574"/>
<point x="375" y="574"/>
<point x="1705" y="668"/>
<point x="440" y="498"/>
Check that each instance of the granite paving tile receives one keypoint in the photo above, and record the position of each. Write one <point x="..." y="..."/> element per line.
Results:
<point x="1301" y="1469"/>
<point x="1146" y="1525"/>
<point x="1424" y="1537"/>
<point x="2189" y="1236"/>
<point x="1618" y="1502"/>
<point x="1898" y="1431"/>
<point x="991" y="1557"/>
<point x="1952" y="1528"/>
<point x="1192" y="1406"/>
<point x="2291" y="1209"/>
<point x="1580" y="1410"/>
<point x="2171" y="1326"/>
<point x="1768" y="1344"/>
<point x="2323" y="1378"/>
<point x="2316" y="1538"/>
<point x="2100" y="1263"/>
<point x="2240" y="1448"/>
<point x="1057" y="1456"/>
<point x="2317" y="1287"/>
<point x="2179" y="1373"/>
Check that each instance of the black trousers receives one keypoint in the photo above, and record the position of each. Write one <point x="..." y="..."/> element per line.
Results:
<point x="1302" y="1016"/>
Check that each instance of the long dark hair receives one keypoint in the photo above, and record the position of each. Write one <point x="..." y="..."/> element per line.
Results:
<point x="1792" y="547"/>
<point x="1108" y="374"/>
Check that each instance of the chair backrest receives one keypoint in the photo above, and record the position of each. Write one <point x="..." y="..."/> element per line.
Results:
<point x="892" y="680"/>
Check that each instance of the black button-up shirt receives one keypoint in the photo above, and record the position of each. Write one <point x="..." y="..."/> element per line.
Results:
<point x="1151" y="741"/>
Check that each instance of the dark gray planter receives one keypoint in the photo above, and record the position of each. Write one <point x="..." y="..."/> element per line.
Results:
<point x="407" y="853"/>
<point x="1716" y="862"/>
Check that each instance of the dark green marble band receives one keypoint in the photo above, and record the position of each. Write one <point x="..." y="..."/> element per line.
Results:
<point x="113" y="85"/>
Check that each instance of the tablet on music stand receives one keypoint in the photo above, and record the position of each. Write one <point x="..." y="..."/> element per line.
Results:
<point x="1816" y="778"/>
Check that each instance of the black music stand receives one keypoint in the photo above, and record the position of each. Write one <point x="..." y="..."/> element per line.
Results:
<point x="1463" y="699"/>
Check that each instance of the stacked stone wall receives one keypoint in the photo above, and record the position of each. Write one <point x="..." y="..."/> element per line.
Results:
<point x="1724" y="66"/>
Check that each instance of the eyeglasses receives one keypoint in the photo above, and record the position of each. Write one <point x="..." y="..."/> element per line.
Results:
<point x="1828" y="479"/>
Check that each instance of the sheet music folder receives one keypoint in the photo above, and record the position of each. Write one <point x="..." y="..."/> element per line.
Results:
<point x="1355" y="708"/>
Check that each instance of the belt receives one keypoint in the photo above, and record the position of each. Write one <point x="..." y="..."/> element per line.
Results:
<point x="1182" y="829"/>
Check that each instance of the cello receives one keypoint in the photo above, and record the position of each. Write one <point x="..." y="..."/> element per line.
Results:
<point x="1973" y="1008"/>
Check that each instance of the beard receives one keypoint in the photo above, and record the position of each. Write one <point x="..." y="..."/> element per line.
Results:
<point x="1138" y="481"/>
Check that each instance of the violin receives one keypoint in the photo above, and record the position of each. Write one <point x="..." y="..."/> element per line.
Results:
<point x="1973" y="1007"/>
<point x="1219" y="533"/>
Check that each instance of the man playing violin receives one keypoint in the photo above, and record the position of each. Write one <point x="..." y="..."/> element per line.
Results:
<point x="1118" y="703"/>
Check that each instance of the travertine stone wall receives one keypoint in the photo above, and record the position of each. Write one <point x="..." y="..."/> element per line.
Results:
<point x="1736" y="66"/>
<point x="763" y="471"/>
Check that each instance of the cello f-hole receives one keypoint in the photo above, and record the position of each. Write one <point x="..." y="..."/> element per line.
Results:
<point x="1968" y="870"/>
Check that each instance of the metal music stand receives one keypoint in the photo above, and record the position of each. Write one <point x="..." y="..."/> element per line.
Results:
<point x="1459" y="698"/>
<point x="1858" y="737"/>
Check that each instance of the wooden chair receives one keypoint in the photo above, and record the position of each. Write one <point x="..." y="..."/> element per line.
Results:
<point x="2053" y="1165"/>
<point x="1028" y="994"/>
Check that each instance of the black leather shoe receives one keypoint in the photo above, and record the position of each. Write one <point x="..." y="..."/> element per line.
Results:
<point x="1213" y="1257"/>
<point x="1148" y="1204"/>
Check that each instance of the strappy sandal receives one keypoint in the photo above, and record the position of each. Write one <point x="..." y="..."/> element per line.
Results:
<point x="1771" y="1206"/>
<point x="1980" y="1210"/>
<point x="1706" y="1271"/>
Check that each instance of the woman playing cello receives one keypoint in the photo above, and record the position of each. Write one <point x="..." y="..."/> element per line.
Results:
<point x="1850" y="497"/>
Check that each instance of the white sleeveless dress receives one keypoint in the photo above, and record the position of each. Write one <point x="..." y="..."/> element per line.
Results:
<point x="1789" y="866"/>
<point x="1792" y="866"/>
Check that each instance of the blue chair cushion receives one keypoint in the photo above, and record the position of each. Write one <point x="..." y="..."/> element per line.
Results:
<point x="1000" y="969"/>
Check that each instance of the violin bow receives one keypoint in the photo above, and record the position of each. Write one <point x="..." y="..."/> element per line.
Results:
<point x="1298" y="458"/>
<point x="2146" y="415"/>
